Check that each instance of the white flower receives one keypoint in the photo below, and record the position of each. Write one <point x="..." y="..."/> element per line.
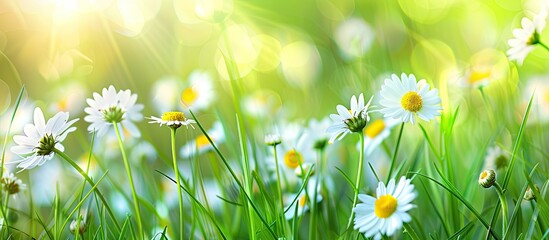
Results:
<point x="261" y="104"/>
<point x="385" y="214"/>
<point x="11" y="184"/>
<point x="314" y="136"/>
<point x="526" y="37"/>
<point x="272" y="139"/>
<point x="201" y="143"/>
<point x="112" y="107"/>
<point x="199" y="94"/>
<point x="375" y="132"/>
<point x="346" y="121"/>
<point x="495" y="158"/>
<point x="354" y="37"/>
<point x="36" y="146"/>
<point x="165" y="94"/>
<point x="172" y="119"/>
<point x="407" y="99"/>
<point x="304" y="200"/>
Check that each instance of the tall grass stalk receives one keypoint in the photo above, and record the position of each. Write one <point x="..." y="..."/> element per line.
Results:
<point x="177" y="180"/>
<point x="358" y="179"/>
<point x="130" y="179"/>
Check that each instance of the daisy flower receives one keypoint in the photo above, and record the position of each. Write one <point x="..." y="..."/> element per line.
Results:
<point x="304" y="200"/>
<point x="314" y="137"/>
<point x="11" y="184"/>
<point x="495" y="158"/>
<point x="349" y="120"/>
<point x="112" y="107"/>
<point x="354" y="37"/>
<point x="527" y="36"/>
<point x="41" y="138"/>
<point x="173" y="120"/>
<point x="272" y="139"/>
<point x="487" y="178"/>
<point x="375" y="132"/>
<point x="199" y="94"/>
<point x="385" y="214"/>
<point x="406" y="99"/>
<point x="201" y="143"/>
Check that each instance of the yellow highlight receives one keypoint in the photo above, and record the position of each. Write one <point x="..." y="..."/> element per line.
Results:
<point x="411" y="101"/>
<point x="292" y="158"/>
<point x="385" y="206"/>
<point x="477" y="76"/>
<point x="303" y="200"/>
<point x="202" y="141"/>
<point x="375" y="128"/>
<point x="189" y="96"/>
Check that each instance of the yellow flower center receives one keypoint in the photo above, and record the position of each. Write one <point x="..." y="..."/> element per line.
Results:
<point x="547" y="96"/>
<point x="303" y="201"/>
<point x="173" y="116"/>
<point x="477" y="76"/>
<point x="385" y="206"/>
<point x="375" y="128"/>
<point x="292" y="158"/>
<point x="411" y="101"/>
<point x="483" y="175"/>
<point x="188" y="96"/>
<point x="202" y="141"/>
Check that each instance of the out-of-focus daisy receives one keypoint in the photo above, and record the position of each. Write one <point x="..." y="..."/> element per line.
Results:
<point x="68" y="98"/>
<point x="539" y="86"/>
<point x="261" y="104"/>
<point x="199" y="94"/>
<point x="484" y="67"/>
<point x="37" y="145"/>
<point x="526" y="37"/>
<point x="314" y="136"/>
<point x="172" y="119"/>
<point x="406" y="99"/>
<point x="495" y="158"/>
<point x="354" y="37"/>
<point x="201" y="144"/>
<point x="165" y="93"/>
<point x="272" y="139"/>
<point x="112" y="107"/>
<point x="375" y="132"/>
<point x="349" y="120"/>
<point x="11" y="184"/>
<point x="304" y="200"/>
<point x="384" y="214"/>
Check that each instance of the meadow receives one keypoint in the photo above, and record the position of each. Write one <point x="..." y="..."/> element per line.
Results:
<point x="247" y="119"/>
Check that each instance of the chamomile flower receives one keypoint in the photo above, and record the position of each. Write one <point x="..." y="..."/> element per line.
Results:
<point x="199" y="94"/>
<point x="113" y="107"/>
<point x="495" y="158"/>
<point x="41" y="138"/>
<point x="354" y="37"/>
<point x="526" y="37"/>
<point x="407" y="99"/>
<point x="304" y="200"/>
<point x="384" y="214"/>
<point x="349" y="120"/>
<point x="201" y="144"/>
<point x="375" y="132"/>
<point x="11" y="184"/>
<point x="272" y="139"/>
<point x="173" y="120"/>
<point x="314" y="137"/>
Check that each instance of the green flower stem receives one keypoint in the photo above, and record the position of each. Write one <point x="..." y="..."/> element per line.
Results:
<point x="503" y="201"/>
<point x="395" y="153"/>
<point x="129" y="172"/>
<point x="279" y="186"/>
<point x="179" y="195"/>
<point x="543" y="45"/>
<point x="358" y="178"/>
<point x="91" y="182"/>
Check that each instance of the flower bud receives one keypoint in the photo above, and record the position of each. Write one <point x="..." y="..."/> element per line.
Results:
<point x="487" y="178"/>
